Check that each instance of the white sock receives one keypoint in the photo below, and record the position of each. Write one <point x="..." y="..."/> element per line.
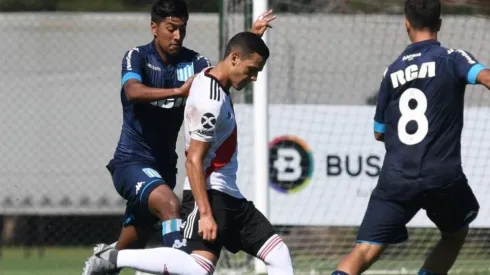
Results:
<point x="159" y="260"/>
<point x="275" y="255"/>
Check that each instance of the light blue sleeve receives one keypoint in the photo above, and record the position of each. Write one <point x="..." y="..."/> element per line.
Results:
<point x="130" y="75"/>
<point x="379" y="127"/>
<point x="473" y="73"/>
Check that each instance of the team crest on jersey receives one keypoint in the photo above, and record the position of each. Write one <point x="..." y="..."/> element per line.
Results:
<point x="185" y="71"/>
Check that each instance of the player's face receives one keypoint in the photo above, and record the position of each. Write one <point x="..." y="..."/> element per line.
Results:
<point x="245" y="69"/>
<point x="170" y="34"/>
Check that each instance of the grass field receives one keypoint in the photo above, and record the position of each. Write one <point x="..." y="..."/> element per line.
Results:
<point x="56" y="261"/>
<point x="69" y="261"/>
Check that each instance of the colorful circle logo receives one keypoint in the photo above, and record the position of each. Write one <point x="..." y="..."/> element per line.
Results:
<point x="291" y="164"/>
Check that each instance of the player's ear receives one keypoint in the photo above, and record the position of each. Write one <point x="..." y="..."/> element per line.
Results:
<point x="154" y="28"/>
<point x="407" y="25"/>
<point x="235" y="57"/>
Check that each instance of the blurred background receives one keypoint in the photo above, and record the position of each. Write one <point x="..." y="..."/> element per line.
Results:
<point x="61" y="117"/>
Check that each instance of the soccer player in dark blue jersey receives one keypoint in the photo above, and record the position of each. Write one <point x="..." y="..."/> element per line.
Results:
<point x="155" y="81"/>
<point x="419" y="116"/>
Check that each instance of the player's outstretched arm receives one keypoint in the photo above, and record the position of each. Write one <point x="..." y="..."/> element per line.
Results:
<point x="133" y="85"/>
<point x="468" y="69"/>
<point x="139" y="92"/>
<point x="483" y="78"/>
<point x="195" y="172"/>
<point x="263" y="22"/>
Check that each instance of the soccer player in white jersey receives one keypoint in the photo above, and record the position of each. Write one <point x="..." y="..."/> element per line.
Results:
<point x="220" y="215"/>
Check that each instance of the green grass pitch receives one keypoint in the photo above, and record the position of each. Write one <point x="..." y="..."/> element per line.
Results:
<point x="56" y="261"/>
<point x="69" y="261"/>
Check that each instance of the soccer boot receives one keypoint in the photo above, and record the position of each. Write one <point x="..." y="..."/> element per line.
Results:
<point x="98" y="264"/>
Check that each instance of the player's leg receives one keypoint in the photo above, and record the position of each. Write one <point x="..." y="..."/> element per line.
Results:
<point x="150" y="200"/>
<point x="128" y="180"/>
<point x="452" y="209"/>
<point x="259" y="239"/>
<point x="202" y="260"/>
<point x="195" y="245"/>
<point x="132" y="237"/>
<point x="203" y="255"/>
<point x="135" y="236"/>
<point x="157" y="260"/>
<point x="162" y="260"/>
<point x="165" y="205"/>
<point x="444" y="254"/>
<point x="384" y="223"/>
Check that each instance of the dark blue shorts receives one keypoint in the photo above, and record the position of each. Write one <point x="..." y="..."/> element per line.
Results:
<point x="134" y="181"/>
<point x="450" y="208"/>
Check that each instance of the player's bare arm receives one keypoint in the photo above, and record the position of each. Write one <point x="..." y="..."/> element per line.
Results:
<point x="195" y="156"/>
<point x="263" y="22"/>
<point x="379" y="136"/>
<point x="483" y="78"/>
<point x="139" y="92"/>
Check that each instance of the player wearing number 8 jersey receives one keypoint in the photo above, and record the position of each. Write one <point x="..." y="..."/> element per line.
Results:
<point x="419" y="116"/>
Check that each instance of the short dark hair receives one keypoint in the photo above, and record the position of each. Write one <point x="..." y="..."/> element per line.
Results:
<point x="247" y="43"/>
<point x="423" y="14"/>
<point x="162" y="9"/>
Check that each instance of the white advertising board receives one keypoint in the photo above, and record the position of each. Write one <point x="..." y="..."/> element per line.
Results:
<point x="339" y="161"/>
<point x="344" y="159"/>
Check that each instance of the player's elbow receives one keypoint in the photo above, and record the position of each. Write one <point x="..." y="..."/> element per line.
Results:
<point x="131" y="89"/>
<point x="131" y="94"/>
<point x="379" y="136"/>
<point x="192" y="163"/>
<point x="189" y="164"/>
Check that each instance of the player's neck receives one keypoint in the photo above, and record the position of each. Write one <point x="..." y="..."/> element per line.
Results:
<point x="161" y="53"/>
<point x="221" y="74"/>
<point x="423" y="36"/>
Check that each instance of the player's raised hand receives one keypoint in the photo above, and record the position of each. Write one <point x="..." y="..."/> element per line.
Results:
<point x="208" y="229"/>
<point x="263" y="22"/>
<point x="185" y="88"/>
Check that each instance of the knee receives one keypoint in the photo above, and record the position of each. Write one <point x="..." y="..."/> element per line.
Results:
<point x="278" y="255"/>
<point x="283" y="251"/>
<point x="278" y="260"/>
<point x="164" y="203"/>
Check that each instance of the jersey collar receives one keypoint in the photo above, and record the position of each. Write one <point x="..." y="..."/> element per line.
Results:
<point x="155" y="52"/>
<point x="206" y="73"/>
<point x="422" y="44"/>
